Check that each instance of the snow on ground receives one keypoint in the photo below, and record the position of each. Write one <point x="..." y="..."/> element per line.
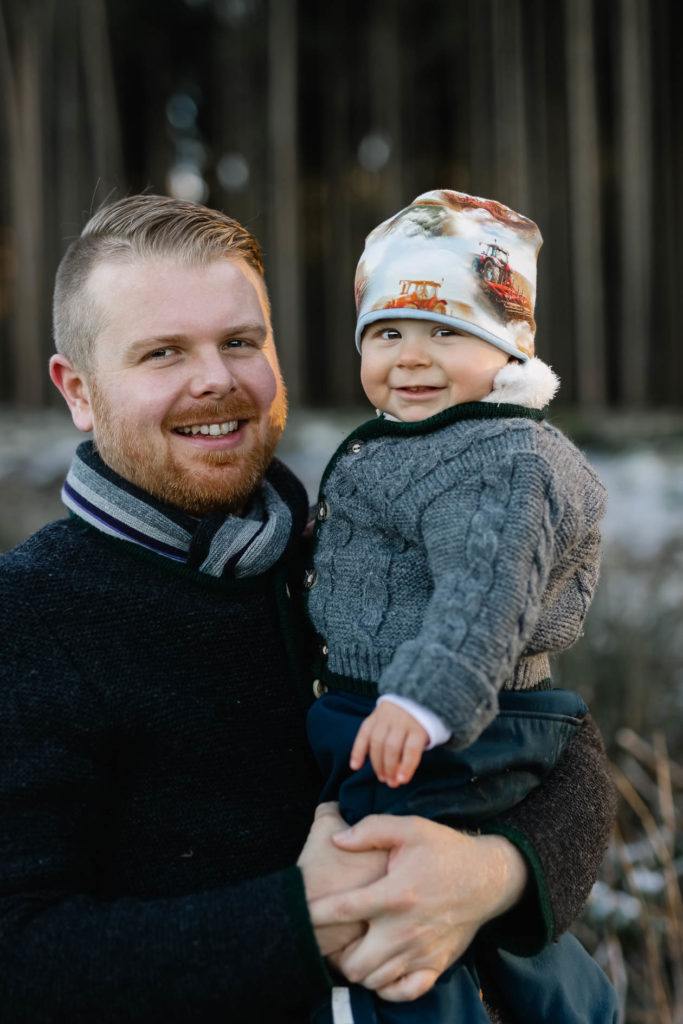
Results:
<point x="645" y="508"/>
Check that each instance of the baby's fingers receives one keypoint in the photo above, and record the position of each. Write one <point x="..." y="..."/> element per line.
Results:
<point x="410" y="756"/>
<point x="392" y="755"/>
<point x="361" y="745"/>
<point x="378" y="740"/>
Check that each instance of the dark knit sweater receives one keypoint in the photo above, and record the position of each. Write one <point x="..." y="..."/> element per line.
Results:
<point x="156" y="788"/>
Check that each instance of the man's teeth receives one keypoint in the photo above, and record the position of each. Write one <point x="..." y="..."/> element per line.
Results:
<point x="212" y="429"/>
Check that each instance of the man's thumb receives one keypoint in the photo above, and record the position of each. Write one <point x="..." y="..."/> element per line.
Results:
<point x="376" y="832"/>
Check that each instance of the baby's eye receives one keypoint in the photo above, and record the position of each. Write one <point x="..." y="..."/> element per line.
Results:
<point x="390" y="332"/>
<point x="445" y="332"/>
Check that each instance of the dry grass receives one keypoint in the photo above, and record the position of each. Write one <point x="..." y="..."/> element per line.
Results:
<point x="629" y="668"/>
<point x="634" y="921"/>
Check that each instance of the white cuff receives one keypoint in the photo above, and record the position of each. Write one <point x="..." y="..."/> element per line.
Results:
<point x="436" y="728"/>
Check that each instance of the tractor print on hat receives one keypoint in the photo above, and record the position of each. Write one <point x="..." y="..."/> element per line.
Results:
<point x="419" y="295"/>
<point x="499" y="282"/>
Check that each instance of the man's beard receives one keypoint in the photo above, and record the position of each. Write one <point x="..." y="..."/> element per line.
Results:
<point x="182" y="486"/>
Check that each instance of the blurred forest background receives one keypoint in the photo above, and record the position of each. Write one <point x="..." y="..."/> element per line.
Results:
<point x="310" y="123"/>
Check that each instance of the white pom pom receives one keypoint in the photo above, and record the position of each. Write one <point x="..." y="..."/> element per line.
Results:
<point x="531" y="384"/>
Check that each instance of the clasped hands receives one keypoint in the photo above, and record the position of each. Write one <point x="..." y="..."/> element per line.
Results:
<point x="395" y="900"/>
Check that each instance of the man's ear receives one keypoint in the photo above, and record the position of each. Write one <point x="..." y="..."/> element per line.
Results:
<point x="73" y="385"/>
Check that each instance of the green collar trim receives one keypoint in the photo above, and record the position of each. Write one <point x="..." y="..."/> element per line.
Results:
<point x="382" y="427"/>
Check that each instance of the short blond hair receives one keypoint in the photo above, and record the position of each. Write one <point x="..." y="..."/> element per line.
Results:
<point x="135" y="228"/>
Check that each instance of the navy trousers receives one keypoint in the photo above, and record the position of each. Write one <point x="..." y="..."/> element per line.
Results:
<point x="563" y="984"/>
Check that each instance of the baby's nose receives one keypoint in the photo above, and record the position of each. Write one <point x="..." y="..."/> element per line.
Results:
<point x="412" y="354"/>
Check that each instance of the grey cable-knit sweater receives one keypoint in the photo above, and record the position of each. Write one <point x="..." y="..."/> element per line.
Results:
<point x="453" y="555"/>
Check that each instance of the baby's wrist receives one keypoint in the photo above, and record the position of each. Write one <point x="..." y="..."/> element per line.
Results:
<point x="436" y="729"/>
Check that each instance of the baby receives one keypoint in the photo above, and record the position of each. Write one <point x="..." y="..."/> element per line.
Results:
<point x="456" y="546"/>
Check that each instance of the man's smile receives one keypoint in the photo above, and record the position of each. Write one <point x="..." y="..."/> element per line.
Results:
<point x="215" y="435"/>
<point x="212" y="429"/>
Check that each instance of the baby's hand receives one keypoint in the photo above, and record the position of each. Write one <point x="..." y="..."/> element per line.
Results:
<point x="394" y="740"/>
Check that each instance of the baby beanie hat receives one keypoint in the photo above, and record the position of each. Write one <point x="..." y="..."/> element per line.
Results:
<point x="463" y="261"/>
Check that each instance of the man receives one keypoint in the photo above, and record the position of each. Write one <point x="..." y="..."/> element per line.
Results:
<point x="156" y="780"/>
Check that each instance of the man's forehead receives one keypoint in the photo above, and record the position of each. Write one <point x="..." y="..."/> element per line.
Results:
<point x="132" y="267"/>
<point x="161" y="282"/>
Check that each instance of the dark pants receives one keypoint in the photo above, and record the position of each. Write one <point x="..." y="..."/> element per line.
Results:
<point x="455" y="997"/>
<point x="463" y="789"/>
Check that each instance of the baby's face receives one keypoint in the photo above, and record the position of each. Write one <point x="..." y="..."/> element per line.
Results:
<point x="413" y="369"/>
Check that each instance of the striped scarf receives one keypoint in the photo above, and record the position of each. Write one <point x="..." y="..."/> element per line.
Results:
<point x="217" y="544"/>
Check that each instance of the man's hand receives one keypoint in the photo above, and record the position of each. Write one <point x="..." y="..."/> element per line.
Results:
<point x="328" y="868"/>
<point x="395" y="742"/>
<point x="441" y="886"/>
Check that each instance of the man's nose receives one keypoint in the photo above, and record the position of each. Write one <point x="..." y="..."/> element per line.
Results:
<point x="212" y="374"/>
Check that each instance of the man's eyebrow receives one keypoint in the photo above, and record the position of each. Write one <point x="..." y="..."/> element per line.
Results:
<point x="250" y="327"/>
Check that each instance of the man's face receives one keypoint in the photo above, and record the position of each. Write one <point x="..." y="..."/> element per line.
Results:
<point x="185" y="391"/>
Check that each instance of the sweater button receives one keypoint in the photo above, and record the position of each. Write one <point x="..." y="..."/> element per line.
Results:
<point x="310" y="577"/>
<point x="323" y="512"/>
<point x="354" y="446"/>
<point x="324" y="650"/>
<point x="319" y="688"/>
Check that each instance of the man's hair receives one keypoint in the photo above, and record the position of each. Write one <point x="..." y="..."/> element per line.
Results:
<point x="135" y="228"/>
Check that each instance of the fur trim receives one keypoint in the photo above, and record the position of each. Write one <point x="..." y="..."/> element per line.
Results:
<point x="531" y="384"/>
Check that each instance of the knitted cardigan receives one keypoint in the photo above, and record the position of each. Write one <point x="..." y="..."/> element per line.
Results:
<point x="156" y="788"/>
<point x="452" y="555"/>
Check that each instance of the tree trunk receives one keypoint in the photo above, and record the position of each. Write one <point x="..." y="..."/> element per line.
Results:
<point x="283" y="213"/>
<point x="22" y="88"/>
<point x="584" y="168"/>
<point x="509" y="106"/>
<point x="635" y="207"/>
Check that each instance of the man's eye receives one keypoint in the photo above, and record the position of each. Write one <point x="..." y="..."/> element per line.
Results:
<point x="236" y="343"/>
<point x="160" y="353"/>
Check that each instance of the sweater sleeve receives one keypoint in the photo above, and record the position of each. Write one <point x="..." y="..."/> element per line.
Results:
<point x="562" y="829"/>
<point x="489" y="548"/>
<point x="239" y="952"/>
